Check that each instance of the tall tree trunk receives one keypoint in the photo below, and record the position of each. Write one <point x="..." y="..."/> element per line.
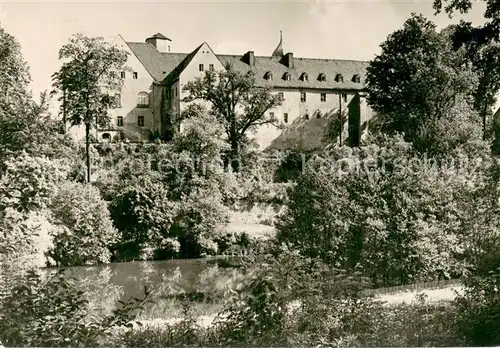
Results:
<point x="235" y="160"/>
<point x="64" y="111"/>
<point x="235" y="155"/>
<point x="484" y="112"/>
<point x="340" y="118"/>
<point x="87" y="148"/>
<point x="484" y="124"/>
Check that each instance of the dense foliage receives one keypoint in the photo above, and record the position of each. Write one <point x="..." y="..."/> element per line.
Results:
<point x="237" y="103"/>
<point x="417" y="79"/>
<point x="88" y="231"/>
<point x="398" y="217"/>
<point x="53" y="313"/>
<point x="88" y="81"/>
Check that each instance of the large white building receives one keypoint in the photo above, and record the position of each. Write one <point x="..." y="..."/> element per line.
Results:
<point x="312" y="91"/>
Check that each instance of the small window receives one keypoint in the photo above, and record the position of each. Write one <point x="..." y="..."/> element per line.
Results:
<point x="122" y="74"/>
<point x="268" y="76"/>
<point x="322" y="77"/>
<point x="140" y="121"/>
<point x="287" y="77"/>
<point x="339" y="78"/>
<point x="134" y="75"/>
<point x="344" y="96"/>
<point x="118" y="100"/>
<point x="201" y="67"/>
<point x="211" y="67"/>
<point x="323" y="97"/>
<point x="143" y="99"/>
<point x="356" y="78"/>
<point x="281" y="95"/>
<point x="304" y="77"/>
<point x="285" y="117"/>
<point x="119" y="121"/>
<point x="306" y="116"/>
<point x="302" y="97"/>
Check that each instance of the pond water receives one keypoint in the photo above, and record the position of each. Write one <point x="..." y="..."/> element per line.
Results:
<point x="106" y="284"/>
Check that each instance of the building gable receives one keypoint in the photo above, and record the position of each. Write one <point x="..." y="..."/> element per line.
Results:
<point x="197" y="63"/>
<point x="200" y="60"/>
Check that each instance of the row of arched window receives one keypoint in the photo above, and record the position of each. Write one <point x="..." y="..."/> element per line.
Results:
<point x="305" y="77"/>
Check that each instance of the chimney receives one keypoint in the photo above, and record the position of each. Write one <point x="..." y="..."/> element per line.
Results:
<point x="289" y="60"/>
<point x="250" y="58"/>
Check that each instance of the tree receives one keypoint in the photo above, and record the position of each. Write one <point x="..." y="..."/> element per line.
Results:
<point x="24" y="124"/>
<point x="482" y="54"/>
<point x="88" y="80"/>
<point x="237" y="103"/>
<point x="88" y="232"/>
<point x="203" y="136"/>
<point x="490" y="31"/>
<point x="398" y="217"/>
<point x="482" y="44"/>
<point x="417" y="78"/>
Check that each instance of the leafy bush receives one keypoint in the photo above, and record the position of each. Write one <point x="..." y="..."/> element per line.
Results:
<point x="89" y="233"/>
<point x="54" y="313"/>
<point x="28" y="182"/>
<point x="477" y="321"/>
<point x="259" y="311"/>
<point x="170" y="211"/>
<point x="416" y="324"/>
<point x="398" y="217"/>
<point x="143" y="214"/>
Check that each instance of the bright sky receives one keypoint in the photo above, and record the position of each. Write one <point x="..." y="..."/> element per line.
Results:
<point x="316" y="29"/>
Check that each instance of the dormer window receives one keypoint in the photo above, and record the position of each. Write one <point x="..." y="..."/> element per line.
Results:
<point x="287" y="77"/>
<point x="339" y="78"/>
<point x="304" y="77"/>
<point x="268" y="76"/>
<point x="322" y="77"/>
<point x="356" y="78"/>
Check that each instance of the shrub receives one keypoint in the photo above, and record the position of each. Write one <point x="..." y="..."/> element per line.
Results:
<point x="396" y="216"/>
<point x="89" y="233"/>
<point x="29" y="182"/>
<point x="477" y="320"/>
<point x="54" y="313"/>
<point x="259" y="312"/>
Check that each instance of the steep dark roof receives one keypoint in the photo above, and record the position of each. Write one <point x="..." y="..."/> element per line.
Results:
<point x="159" y="36"/>
<point x="172" y="76"/>
<point x="311" y="66"/>
<point x="154" y="62"/>
<point x="157" y="63"/>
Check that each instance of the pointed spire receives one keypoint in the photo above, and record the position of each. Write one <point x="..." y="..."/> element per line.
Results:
<point x="278" y="52"/>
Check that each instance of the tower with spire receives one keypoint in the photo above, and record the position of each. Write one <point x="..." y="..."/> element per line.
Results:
<point x="278" y="52"/>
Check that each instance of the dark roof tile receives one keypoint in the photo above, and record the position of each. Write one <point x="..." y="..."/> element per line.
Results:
<point x="159" y="36"/>
<point x="161" y="65"/>
<point x="158" y="65"/>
